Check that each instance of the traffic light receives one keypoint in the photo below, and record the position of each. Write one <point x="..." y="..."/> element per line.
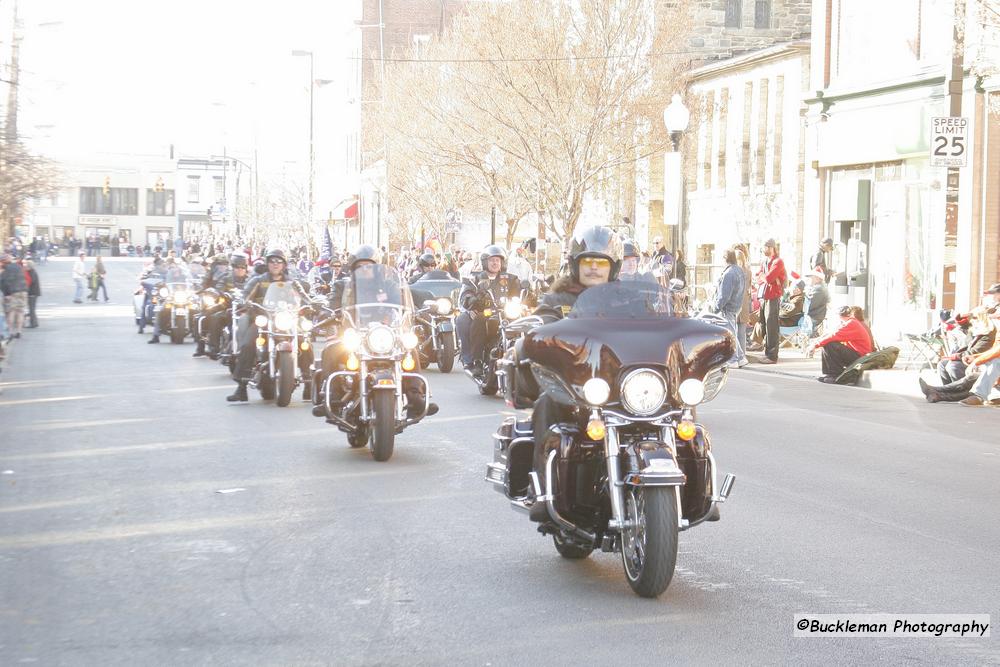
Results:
<point x="107" y="186"/>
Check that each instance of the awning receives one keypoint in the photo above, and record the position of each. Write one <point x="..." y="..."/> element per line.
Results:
<point x="351" y="212"/>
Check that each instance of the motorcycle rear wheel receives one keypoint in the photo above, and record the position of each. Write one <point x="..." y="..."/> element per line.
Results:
<point x="266" y="386"/>
<point x="286" y="379"/>
<point x="649" y="551"/>
<point x="384" y="431"/>
<point x="446" y="356"/>
<point x="179" y="332"/>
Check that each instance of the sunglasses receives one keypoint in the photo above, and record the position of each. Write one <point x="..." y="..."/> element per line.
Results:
<point x="596" y="262"/>
<point x="275" y="260"/>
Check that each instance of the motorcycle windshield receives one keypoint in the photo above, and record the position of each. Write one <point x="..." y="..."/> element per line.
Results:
<point x="616" y="327"/>
<point x="435" y="287"/>
<point x="281" y="296"/>
<point x="377" y="294"/>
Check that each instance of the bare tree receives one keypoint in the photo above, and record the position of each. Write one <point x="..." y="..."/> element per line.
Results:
<point x="23" y="176"/>
<point x="536" y="106"/>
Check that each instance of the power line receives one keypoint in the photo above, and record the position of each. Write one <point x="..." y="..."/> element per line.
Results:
<point x="525" y="60"/>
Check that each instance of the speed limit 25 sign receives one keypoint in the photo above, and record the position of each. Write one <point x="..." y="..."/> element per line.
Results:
<point x="949" y="141"/>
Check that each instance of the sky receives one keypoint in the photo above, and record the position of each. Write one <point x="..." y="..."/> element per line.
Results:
<point x="135" y="76"/>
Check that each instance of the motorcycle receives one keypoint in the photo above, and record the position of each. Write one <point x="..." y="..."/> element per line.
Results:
<point x="174" y="310"/>
<point x="367" y="400"/>
<point x="632" y="467"/>
<point x="144" y="301"/>
<point x="229" y="335"/>
<point x="435" y="321"/>
<point x="283" y="326"/>
<point x="503" y="329"/>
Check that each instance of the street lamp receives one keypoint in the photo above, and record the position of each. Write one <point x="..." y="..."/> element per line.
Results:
<point x="676" y="118"/>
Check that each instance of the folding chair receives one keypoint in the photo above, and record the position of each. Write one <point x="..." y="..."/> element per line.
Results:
<point x="923" y="349"/>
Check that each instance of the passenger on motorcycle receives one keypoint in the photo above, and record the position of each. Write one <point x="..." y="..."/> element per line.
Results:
<point x="484" y="290"/>
<point x="595" y="258"/>
<point x="276" y="270"/>
<point x="426" y="264"/>
<point x="362" y="265"/>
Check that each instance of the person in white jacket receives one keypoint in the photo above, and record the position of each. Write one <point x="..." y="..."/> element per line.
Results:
<point x="79" y="277"/>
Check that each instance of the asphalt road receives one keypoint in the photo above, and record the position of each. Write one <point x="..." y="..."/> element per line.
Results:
<point x="118" y="545"/>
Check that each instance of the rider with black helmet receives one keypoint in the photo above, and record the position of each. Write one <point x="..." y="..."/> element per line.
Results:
<point x="595" y="258"/>
<point x="426" y="264"/>
<point x="276" y="271"/>
<point x="364" y="259"/>
<point x="493" y="281"/>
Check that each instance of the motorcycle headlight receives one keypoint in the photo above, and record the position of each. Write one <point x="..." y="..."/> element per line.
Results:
<point x="380" y="340"/>
<point x="208" y="300"/>
<point x="164" y="292"/>
<point x="260" y="321"/>
<point x="596" y="391"/>
<point x="284" y="320"/>
<point x="443" y="306"/>
<point x="306" y="324"/>
<point x="409" y="340"/>
<point x="643" y="392"/>
<point x="351" y="339"/>
<point x="512" y="309"/>
<point x="692" y="391"/>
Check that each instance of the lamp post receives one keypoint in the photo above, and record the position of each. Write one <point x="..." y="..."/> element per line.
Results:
<point x="676" y="118"/>
<point x="312" y="85"/>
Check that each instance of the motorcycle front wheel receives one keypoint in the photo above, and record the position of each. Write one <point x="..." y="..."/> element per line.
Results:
<point x="649" y="548"/>
<point x="286" y="379"/>
<point x="446" y="355"/>
<point x="384" y="431"/>
<point x="266" y="386"/>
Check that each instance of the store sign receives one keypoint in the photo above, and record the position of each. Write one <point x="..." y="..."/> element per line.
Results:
<point x="97" y="220"/>
<point x="949" y="141"/>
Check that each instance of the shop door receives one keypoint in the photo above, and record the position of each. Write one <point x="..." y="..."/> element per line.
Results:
<point x="887" y="253"/>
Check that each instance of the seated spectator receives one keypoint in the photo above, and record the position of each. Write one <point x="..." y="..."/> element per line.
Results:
<point x="791" y="310"/>
<point x="851" y="341"/>
<point x="981" y="336"/>
<point x="819" y="298"/>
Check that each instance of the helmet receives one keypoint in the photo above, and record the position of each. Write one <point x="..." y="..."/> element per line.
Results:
<point x="238" y="260"/>
<point x="220" y="259"/>
<point x="596" y="242"/>
<point x="493" y="251"/>
<point x="276" y="252"/>
<point x="363" y="253"/>
<point x="428" y="261"/>
<point x="630" y="248"/>
<point x="259" y="267"/>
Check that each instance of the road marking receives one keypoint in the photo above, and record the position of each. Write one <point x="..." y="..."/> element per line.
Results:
<point x="56" y="399"/>
<point x="52" y="504"/>
<point x="56" y="425"/>
<point x="435" y="420"/>
<point x="69" y="537"/>
<point x="184" y="390"/>
<point x="101" y="451"/>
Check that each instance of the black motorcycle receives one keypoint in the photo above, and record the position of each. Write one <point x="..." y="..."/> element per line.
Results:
<point x="175" y="307"/>
<point x="283" y="326"/>
<point x="369" y="399"/>
<point x="435" y="321"/>
<point x="503" y="329"/>
<point x="631" y="466"/>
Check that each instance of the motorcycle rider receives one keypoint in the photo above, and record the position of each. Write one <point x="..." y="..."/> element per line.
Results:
<point x="233" y="278"/>
<point x="322" y="276"/>
<point x="425" y="265"/>
<point x="254" y="291"/>
<point x="493" y="281"/>
<point x="173" y="272"/>
<point x="595" y="258"/>
<point x="361" y="264"/>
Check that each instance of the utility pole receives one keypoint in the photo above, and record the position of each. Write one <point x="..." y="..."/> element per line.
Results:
<point x="9" y="207"/>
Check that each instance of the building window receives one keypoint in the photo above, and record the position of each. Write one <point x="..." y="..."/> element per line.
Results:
<point x="420" y="45"/>
<point x="159" y="203"/>
<point x="762" y="14"/>
<point x="779" y="122"/>
<point x="194" y="189"/>
<point x="747" y="117"/>
<point x="762" y="133"/>
<point x="118" y="201"/>
<point x="723" y="135"/>
<point x="709" y="152"/>
<point x="219" y="183"/>
<point x="734" y="13"/>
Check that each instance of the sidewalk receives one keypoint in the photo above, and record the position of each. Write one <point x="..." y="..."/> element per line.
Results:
<point x="792" y="363"/>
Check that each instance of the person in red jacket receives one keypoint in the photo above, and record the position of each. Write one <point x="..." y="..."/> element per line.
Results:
<point x="772" y="286"/>
<point x="844" y="346"/>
